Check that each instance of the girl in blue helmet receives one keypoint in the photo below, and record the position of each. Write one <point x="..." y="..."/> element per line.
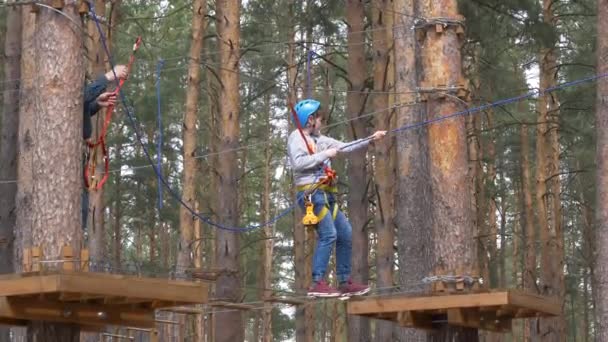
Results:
<point x="308" y="164"/>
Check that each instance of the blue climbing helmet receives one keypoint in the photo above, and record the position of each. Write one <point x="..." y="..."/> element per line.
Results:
<point x="306" y="108"/>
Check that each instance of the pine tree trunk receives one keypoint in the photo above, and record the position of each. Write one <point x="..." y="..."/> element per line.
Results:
<point x="601" y="118"/>
<point x="189" y="137"/>
<point x="9" y="137"/>
<point x="228" y="325"/>
<point x="452" y="224"/>
<point x="56" y="200"/>
<point x="384" y="162"/>
<point x="95" y="224"/>
<point x="117" y="213"/>
<point x="304" y="327"/>
<point x="548" y="192"/>
<point x="412" y="201"/>
<point x="26" y="140"/>
<point x="8" y="144"/>
<point x="527" y="223"/>
<point x="491" y="207"/>
<point x="358" y="327"/>
<point x="268" y="244"/>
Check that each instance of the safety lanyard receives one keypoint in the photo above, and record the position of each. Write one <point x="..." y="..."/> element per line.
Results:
<point x="89" y="170"/>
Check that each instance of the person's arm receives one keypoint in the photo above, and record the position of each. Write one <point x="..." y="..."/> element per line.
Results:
<point x="301" y="159"/>
<point x="92" y="92"/>
<point x="352" y="146"/>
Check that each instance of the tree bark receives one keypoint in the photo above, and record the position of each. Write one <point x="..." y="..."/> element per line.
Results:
<point x="412" y="204"/>
<point x="358" y="327"/>
<point x="9" y="137"/>
<point x="57" y="129"/>
<point x="268" y="233"/>
<point x="95" y="219"/>
<point x="186" y="222"/>
<point x="452" y="226"/>
<point x="601" y="118"/>
<point x="548" y="187"/>
<point x="303" y="327"/>
<point x="527" y="223"/>
<point x="384" y="157"/>
<point x="8" y="144"/>
<point x="228" y="325"/>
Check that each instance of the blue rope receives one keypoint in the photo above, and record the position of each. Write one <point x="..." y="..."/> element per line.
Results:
<point x="159" y="150"/>
<point x="481" y="108"/>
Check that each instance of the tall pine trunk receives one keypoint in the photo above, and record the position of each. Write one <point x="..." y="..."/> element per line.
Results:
<point x="186" y="221"/>
<point x="358" y="327"/>
<point x="95" y="219"/>
<point x="383" y="160"/>
<point x="8" y="144"/>
<point x="412" y="201"/>
<point x="268" y="233"/>
<point x="548" y="186"/>
<point x="527" y="223"/>
<point x="452" y="224"/>
<point x="56" y="201"/>
<point x="228" y="325"/>
<point x="601" y="118"/>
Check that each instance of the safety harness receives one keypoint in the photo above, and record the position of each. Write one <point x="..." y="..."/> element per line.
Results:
<point x="326" y="184"/>
<point x="91" y="163"/>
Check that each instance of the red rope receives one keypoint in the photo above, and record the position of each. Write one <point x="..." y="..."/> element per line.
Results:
<point x="91" y="165"/>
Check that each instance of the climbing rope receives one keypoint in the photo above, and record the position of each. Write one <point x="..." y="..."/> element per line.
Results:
<point x="91" y="163"/>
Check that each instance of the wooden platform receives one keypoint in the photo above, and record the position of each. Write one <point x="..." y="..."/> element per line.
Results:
<point x="92" y="299"/>
<point x="492" y="311"/>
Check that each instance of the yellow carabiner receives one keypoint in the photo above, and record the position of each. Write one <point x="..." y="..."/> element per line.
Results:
<point x="310" y="219"/>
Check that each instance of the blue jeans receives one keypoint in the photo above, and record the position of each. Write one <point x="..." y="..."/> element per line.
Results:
<point x="330" y="231"/>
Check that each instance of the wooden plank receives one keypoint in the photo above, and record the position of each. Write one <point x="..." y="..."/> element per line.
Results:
<point x="13" y="322"/>
<point x="426" y="303"/>
<point x="15" y="285"/>
<point x="67" y="252"/>
<point x="77" y="313"/>
<point x="543" y="305"/>
<point x="27" y="260"/>
<point x="84" y="260"/>
<point x="415" y="319"/>
<point x="36" y="252"/>
<point x="134" y="287"/>
<point x="187" y="311"/>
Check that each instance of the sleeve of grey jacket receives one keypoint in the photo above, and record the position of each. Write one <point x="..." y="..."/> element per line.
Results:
<point x="300" y="158"/>
<point x="352" y="146"/>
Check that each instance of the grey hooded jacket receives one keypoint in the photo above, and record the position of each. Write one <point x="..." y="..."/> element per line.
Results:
<point x="308" y="168"/>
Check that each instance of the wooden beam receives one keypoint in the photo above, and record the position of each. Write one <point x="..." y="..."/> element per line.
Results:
<point x="16" y="285"/>
<point x="134" y="287"/>
<point x="425" y="303"/>
<point x="187" y="311"/>
<point x="414" y="319"/>
<point x="544" y="305"/>
<point x="67" y="252"/>
<point x="76" y="313"/>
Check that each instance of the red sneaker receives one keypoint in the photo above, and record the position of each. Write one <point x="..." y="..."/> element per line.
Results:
<point x="321" y="289"/>
<point x="349" y="288"/>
